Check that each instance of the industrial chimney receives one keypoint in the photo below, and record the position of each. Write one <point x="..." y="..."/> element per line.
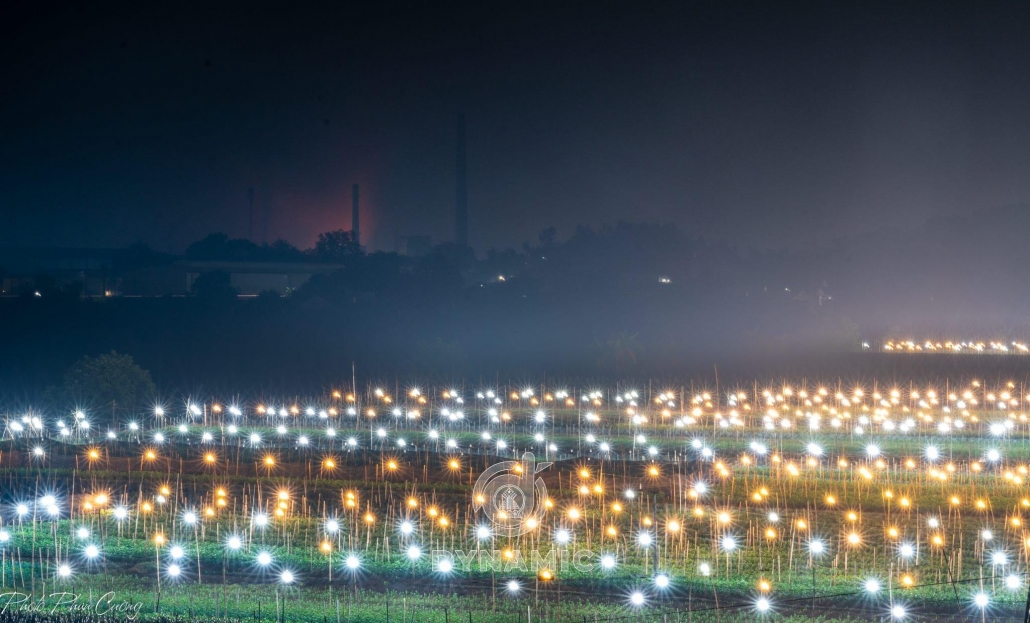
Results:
<point x="355" y="228"/>
<point x="250" y="207"/>
<point x="461" y="208"/>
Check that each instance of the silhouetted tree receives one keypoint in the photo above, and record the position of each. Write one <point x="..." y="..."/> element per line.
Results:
<point x="214" y="286"/>
<point x="622" y="350"/>
<point x="548" y="236"/>
<point x="108" y="381"/>
<point x="218" y="246"/>
<point x="336" y="246"/>
<point x="139" y="255"/>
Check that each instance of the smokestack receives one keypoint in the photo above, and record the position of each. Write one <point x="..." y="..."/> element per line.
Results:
<point x="461" y="208"/>
<point x="250" y="203"/>
<point x="355" y="217"/>
<point x="266" y="211"/>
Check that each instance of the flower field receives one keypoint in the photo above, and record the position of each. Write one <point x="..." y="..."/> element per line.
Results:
<point x="849" y="501"/>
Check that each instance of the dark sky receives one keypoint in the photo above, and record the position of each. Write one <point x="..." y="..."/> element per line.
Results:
<point x="768" y="125"/>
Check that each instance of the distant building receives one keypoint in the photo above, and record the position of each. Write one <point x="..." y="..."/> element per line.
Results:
<point x="93" y="268"/>
<point x="248" y="278"/>
<point x="101" y="275"/>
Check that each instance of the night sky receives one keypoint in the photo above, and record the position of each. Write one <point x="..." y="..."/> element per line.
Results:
<point x="768" y="126"/>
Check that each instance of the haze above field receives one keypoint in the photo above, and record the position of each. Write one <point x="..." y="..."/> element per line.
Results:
<point x="651" y="189"/>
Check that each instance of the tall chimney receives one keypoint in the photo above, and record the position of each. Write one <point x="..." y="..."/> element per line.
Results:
<point x="355" y="216"/>
<point x="250" y="203"/>
<point x="461" y="207"/>
<point x="266" y="211"/>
